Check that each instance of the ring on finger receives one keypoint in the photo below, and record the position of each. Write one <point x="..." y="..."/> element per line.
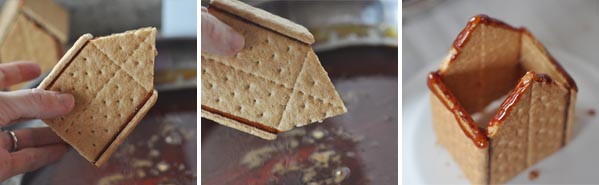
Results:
<point x="14" y="139"/>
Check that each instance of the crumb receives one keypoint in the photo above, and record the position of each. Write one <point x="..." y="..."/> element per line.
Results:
<point x="350" y="154"/>
<point x="154" y="153"/>
<point x="141" y="163"/>
<point x="154" y="172"/>
<point x="591" y="112"/>
<point x="534" y="174"/>
<point x="141" y="173"/>
<point x="162" y="166"/>
<point x="111" y="179"/>
<point x="181" y="167"/>
<point x="341" y="174"/>
<point x="317" y="134"/>
<point x="257" y="157"/>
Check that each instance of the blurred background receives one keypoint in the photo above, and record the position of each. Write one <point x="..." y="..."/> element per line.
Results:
<point x="162" y="148"/>
<point x="430" y="26"/>
<point x="356" y="42"/>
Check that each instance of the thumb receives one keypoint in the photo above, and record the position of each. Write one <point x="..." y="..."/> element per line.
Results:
<point x="34" y="103"/>
<point x="219" y="38"/>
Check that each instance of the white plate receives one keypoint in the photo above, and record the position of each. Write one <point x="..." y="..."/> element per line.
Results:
<point x="426" y="162"/>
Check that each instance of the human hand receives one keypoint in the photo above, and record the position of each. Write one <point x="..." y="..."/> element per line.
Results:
<point x="219" y="38"/>
<point x="36" y="147"/>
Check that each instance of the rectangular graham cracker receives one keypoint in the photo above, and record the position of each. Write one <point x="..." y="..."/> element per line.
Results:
<point x="534" y="57"/>
<point x="111" y="79"/>
<point x="546" y="133"/>
<point x="274" y="84"/>
<point x="509" y="141"/>
<point x="473" y="161"/>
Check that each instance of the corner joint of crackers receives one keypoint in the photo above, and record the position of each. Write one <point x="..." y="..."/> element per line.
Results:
<point x="491" y="61"/>
<point x="275" y="83"/>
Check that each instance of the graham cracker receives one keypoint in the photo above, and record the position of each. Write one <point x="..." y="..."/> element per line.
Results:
<point x="472" y="160"/>
<point x="111" y="79"/>
<point x="508" y="137"/>
<point x="34" y="30"/>
<point x="491" y="50"/>
<point x="259" y="88"/>
<point x="546" y="133"/>
<point x="50" y="16"/>
<point x="239" y="126"/>
<point x="489" y="59"/>
<point x="534" y="57"/>
<point x="265" y="19"/>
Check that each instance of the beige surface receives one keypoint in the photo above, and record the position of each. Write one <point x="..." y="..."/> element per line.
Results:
<point x="50" y="16"/>
<point x="111" y="78"/>
<point x="266" y="19"/>
<point x="263" y="81"/>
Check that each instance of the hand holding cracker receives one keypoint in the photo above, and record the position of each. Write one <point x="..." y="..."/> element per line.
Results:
<point x="274" y="84"/>
<point x="112" y="79"/>
<point x="28" y="149"/>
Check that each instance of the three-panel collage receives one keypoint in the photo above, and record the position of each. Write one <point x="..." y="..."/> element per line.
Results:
<point x="293" y="92"/>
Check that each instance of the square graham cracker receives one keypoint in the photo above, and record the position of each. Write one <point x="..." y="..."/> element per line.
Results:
<point x="111" y="79"/>
<point x="275" y="83"/>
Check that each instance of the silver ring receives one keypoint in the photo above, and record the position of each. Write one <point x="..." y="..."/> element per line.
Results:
<point x="13" y="136"/>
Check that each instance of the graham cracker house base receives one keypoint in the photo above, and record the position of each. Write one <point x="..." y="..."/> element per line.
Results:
<point x="488" y="60"/>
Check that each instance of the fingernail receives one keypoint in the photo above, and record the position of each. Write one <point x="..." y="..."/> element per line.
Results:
<point x="236" y="42"/>
<point x="67" y="100"/>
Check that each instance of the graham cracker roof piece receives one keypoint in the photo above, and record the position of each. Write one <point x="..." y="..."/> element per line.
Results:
<point x="274" y="84"/>
<point x="111" y="79"/>
<point x="265" y="19"/>
<point x="488" y="60"/>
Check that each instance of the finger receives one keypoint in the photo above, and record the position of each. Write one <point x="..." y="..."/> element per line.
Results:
<point x="4" y="163"/>
<point x="17" y="72"/>
<point x="35" y="137"/>
<point x="218" y="38"/>
<point x="30" y="159"/>
<point x="5" y="141"/>
<point x="34" y="103"/>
